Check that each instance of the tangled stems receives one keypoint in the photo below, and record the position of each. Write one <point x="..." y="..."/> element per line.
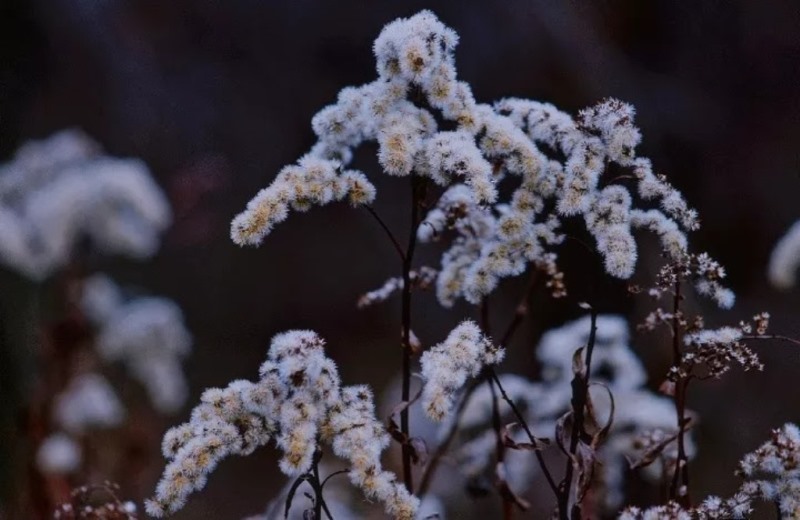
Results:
<point x="317" y="485"/>
<point x="580" y="398"/>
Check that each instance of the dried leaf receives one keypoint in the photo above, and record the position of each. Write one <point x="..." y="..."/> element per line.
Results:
<point x="598" y="437"/>
<point x="563" y="427"/>
<point x="509" y="442"/>
<point x="652" y="453"/>
<point x="578" y="364"/>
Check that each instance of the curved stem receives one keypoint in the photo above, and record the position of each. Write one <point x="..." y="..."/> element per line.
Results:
<point x="388" y="232"/>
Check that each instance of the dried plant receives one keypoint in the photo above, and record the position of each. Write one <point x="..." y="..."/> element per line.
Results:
<point x="496" y="184"/>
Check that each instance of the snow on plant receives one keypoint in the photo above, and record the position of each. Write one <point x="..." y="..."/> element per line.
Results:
<point x="494" y="183"/>
<point x="61" y="189"/>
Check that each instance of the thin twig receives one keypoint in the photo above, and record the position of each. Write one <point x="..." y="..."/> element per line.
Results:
<point x="388" y="231"/>
<point x="773" y="336"/>
<point x="521" y="420"/>
<point x="680" y="478"/>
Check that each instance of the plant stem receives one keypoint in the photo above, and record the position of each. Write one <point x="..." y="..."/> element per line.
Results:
<point x="417" y="193"/>
<point x="580" y="397"/>
<point x="521" y="419"/>
<point x="680" y="478"/>
<point x="388" y="232"/>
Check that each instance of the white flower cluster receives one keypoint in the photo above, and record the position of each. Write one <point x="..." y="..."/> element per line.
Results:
<point x="704" y="272"/>
<point x="777" y="462"/>
<point x="421" y="278"/>
<point x="298" y="402"/>
<point x="490" y="244"/>
<point x="713" y="508"/>
<point x="446" y="366"/>
<point x="312" y="181"/>
<point x="59" y="190"/>
<point x="715" y="350"/>
<point x="147" y="334"/>
<point x="417" y="87"/>
<point x="785" y="259"/>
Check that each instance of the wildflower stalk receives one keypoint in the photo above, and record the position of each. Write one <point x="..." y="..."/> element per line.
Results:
<point x="580" y="396"/>
<point x="417" y="196"/>
<point x="679" y="490"/>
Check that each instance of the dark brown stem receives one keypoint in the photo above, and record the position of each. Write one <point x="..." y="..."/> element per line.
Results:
<point x="580" y="396"/>
<point x="521" y="420"/>
<point x="679" y="490"/>
<point x="521" y="311"/>
<point x="417" y="195"/>
<point x="388" y="232"/>
<point x="500" y="449"/>
<point x="497" y="423"/>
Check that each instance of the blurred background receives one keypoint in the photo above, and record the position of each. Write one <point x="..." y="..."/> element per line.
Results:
<point x="217" y="96"/>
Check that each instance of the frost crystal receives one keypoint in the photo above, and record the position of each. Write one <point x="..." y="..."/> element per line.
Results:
<point x="57" y="191"/>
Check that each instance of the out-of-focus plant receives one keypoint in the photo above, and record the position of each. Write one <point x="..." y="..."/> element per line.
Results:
<point x="62" y="202"/>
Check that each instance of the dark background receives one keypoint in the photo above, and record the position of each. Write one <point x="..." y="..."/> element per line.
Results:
<point x="217" y="96"/>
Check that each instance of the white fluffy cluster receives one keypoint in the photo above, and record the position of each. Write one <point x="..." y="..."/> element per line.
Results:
<point x="62" y="189"/>
<point x="313" y="181"/>
<point x="490" y="244"/>
<point x="713" y="508"/>
<point x="147" y="334"/>
<point x="777" y="463"/>
<point x="421" y="278"/>
<point x="58" y="454"/>
<point x="297" y="402"/>
<point x="446" y="366"/>
<point x="416" y="89"/>
<point x="88" y="402"/>
<point x="785" y="259"/>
